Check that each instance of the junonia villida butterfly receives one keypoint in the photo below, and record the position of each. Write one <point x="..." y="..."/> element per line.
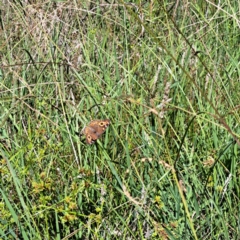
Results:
<point x="95" y="129"/>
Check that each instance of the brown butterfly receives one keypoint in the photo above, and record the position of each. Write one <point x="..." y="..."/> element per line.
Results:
<point x="95" y="129"/>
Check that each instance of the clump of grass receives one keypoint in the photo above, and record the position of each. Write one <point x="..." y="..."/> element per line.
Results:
<point x="167" y="77"/>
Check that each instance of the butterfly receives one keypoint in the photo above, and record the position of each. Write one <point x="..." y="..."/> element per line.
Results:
<point x="95" y="129"/>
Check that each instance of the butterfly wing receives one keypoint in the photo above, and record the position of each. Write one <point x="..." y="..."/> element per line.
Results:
<point x="95" y="129"/>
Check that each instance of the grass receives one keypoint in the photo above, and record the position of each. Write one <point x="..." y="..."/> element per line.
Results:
<point x="167" y="76"/>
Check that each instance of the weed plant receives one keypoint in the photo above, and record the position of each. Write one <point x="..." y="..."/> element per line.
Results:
<point x="166" y="74"/>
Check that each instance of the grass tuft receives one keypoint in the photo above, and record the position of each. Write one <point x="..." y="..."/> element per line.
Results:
<point x="167" y="77"/>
